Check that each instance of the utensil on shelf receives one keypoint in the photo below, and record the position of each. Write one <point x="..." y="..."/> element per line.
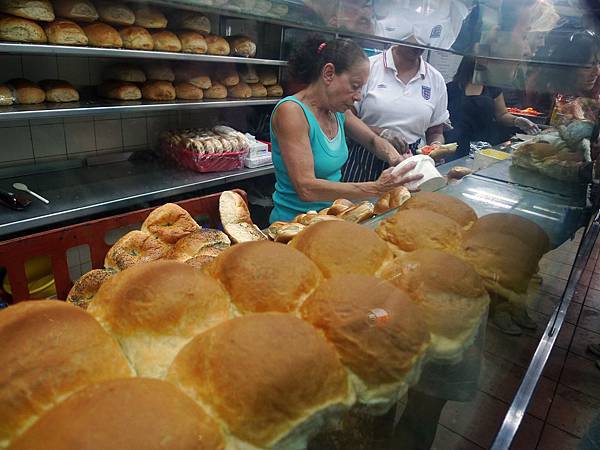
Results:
<point x="24" y="188"/>
<point x="16" y="202"/>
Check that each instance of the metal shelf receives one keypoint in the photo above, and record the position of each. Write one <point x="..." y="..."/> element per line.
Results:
<point x="64" y="50"/>
<point x="91" y="108"/>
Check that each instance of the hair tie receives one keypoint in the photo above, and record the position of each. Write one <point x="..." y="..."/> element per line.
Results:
<point x="321" y="48"/>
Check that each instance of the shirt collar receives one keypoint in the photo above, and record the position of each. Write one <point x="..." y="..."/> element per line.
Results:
<point x="388" y="63"/>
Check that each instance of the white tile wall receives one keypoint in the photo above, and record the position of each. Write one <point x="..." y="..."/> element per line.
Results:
<point x="80" y="137"/>
<point x="108" y="134"/>
<point x="134" y="132"/>
<point x="15" y="144"/>
<point x="48" y="140"/>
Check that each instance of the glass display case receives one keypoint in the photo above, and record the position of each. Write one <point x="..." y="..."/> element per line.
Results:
<point x="91" y="158"/>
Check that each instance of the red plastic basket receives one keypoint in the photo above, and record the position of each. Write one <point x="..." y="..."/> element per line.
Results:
<point x="216" y="162"/>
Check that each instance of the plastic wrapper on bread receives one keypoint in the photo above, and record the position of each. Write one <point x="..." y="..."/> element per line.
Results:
<point x="216" y="150"/>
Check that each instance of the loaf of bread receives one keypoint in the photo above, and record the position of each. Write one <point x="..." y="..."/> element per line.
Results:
<point x="196" y="74"/>
<point x="119" y="90"/>
<point x="236" y="220"/>
<point x="79" y="10"/>
<point x="27" y="92"/>
<point x="216" y="91"/>
<point x="59" y="91"/>
<point x="190" y="20"/>
<point x="159" y="71"/>
<point x="392" y="199"/>
<point x="267" y="76"/>
<point x="217" y="45"/>
<point x="7" y="97"/>
<point x="227" y="75"/>
<point x="149" y="17"/>
<point x="358" y="213"/>
<point x="166" y="41"/>
<point x="16" y="29"/>
<point x="443" y="204"/>
<point x="65" y="32"/>
<point x="258" y="90"/>
<point x="188" y="91"/>
<point x="192" y="42"/>
<point x="115" y="13"/>
<point x="158" y="91"/>
<point x="240" y="90"/>
<point x="125" y="72"/>
<point x="458" y="172"/>
<point x="85" y="288"/>
<point x="169" y="223"/>
<point x="136" y="38"/>
<point x="204" y="241"/>
<point x="274" y="91"/>
<point x="103" y="35"/>
<point x="29" y="9"/>
<point x="242" y="46"/>
<point x="248" y="73"/>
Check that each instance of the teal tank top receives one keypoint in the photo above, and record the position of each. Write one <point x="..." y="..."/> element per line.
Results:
<point x="329" y="156"/>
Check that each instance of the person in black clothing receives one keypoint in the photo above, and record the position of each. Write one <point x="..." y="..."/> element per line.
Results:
<point x="478" y="113"/>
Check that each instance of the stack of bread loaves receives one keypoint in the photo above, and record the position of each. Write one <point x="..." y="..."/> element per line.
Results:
<point x="24" y="92"/>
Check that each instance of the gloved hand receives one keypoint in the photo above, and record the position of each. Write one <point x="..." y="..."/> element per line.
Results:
<point x="396" y="139"/>
<point x="526" y="125"/>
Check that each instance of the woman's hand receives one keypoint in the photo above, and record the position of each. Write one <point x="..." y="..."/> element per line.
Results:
<point x="526" y="125"/>
<point x="388" y="181"/>
<point x="396" y="139"/>
<point x="392" y="154"/>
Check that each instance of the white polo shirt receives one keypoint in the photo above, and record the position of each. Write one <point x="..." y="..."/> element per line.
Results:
<point x="412" y="108"/>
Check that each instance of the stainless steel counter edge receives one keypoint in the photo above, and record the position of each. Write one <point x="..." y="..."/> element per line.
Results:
<point x="65" y="50"/>
<point x="51" y="218"/>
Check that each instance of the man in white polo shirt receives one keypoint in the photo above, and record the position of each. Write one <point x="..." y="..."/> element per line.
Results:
<point x="404" y="101"/>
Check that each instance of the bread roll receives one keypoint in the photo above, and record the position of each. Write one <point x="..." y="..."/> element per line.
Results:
<point x="137" y="413"/>
<point x="458" y="172"/>
<point x="377" y="331"/>
<point x="195" y="74"/>
<point x="125" y="72"/>
<point x="274" y="91"/>
<point x="258" y="90"/>
<point x="15" y="29"/>
<point x="29" y="9"/>
<point x="65" y="32"/>
<point x="159" y="71"/>
<point x="340" y="247"/>
<point x="265" y="276"/>
<point x="443" y="204"/>
<point x="392" y="199"/>
<point x="83" y="291"/>
<point x="79" y="10"/>
<point x="241" y="46"/>
<point x="227" y="75"/>
<point x="149" y="17"/>
<point x="247" y="73"/>
<point x="267" y="76"/>
<point x="194" y="243"/>
<point x="190" y="20"/>
<point x="165" y="41"/>
<point x="450" y="295"/>
<point x="7" y="97"/>
<point x="119" y="90"/>
<point x="217" y="45"/>
<point x="158" y="91"/>
<point x="103" y="35"/>
<point x="115" y="13"/>
<point x="187" y="91"/>
<point x="169" y="223"/>
<point x="155" y="308"/>
<point x="216" y="91"/>
<point x="339" y="206"/>
<point x="525" y="230"/>
<point x="58" y="91"/>
<point x="136" y="38"/>
<point x="50" y="350"/>
<point x="192" y="42"/>
<point x="135" y="247"/>
<point x="27" y="92"/>
<point x="267" y="377"/>
<point x="240" y="90"/>
<point x="359" y="213"/>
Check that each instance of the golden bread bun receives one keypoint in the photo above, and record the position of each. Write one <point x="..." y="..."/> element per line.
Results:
<point x="136" y="38"/>
<point x="268" y="377"/>
<point x="166" y="41"/>
<point x="65" y="32"/>
<point x="6" y="95"/>
<point x="450" y="295"/>
<point x="392" y="199"/>
<point x="358" y="213"/>
<point x="115" y="13"/>
<point x="258" y="90"/>
<point x="27" y="92"/>
<point x="527" y="231"/>
<point x="443" y="204"/>
<point x="59" y="91"/>
<point x="284" y="232"/>
<point x="15" y="29"/>
<point x="410" y="229"/>
<point x="79" y="10"/>
<point x="169" y="223"/>
<point x="134" y="248"/>
<point x="242" y="46"/>
<point x="274" y="91"/>
<point x="194" y="21"/>
<point x="192" y="42"/>
<point x="504" y="263"/>
<point x="154" y="309"/>
<point x="156" y="90"/>
<point x="217" y="45"/>
<point x="159" y="71"/>
<point x="265" y="276"/>
<point x="103" y="35"/>
<point x="459" y="172"/>
<point x="227" y="75"/>
<point x="376" y="329"/>
<point x="125" y="72"/>
<point x="50" y="350"/>
<point x="192" y="244"/>
<point x="119" y="90"/>
<point x="216" y="91"/>
<point x="149" y="17"/>
<point x="267" y="75"/>
<point x="240" y="90"/>
<point x="83" y="291"/>
<point x="29" y="9"/>
<point x="128" y="414"/>
<point x="339" y="248"/>
<point x="195" y="74"/>
<point x="339" y="206"/>
<point x="187" y="91"/>
<point x="236" y="220"/>
<point x="248" y="73"/>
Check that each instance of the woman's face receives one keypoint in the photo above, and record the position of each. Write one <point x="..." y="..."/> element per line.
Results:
<point x="344" y="89"/>
<point x="587" y="77"/>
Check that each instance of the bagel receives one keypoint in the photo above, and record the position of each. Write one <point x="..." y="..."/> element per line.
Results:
<point x="134" y="248"/>
<point x="195" y="243"/>
<point x="83" y="291"/>
<point x="169" y="223"/>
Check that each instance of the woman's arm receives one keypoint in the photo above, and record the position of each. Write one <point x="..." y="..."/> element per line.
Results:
<point x="292" y="131"/>
<point x="435" y="134"/>
<point x="507" y="119"/>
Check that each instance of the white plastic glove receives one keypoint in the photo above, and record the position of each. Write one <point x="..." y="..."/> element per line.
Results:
<point x="526" y="125"/>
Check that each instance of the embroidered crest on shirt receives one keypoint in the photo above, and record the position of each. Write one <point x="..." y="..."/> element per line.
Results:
<point x="436" y="31"/>
<point x="426" y="92"/>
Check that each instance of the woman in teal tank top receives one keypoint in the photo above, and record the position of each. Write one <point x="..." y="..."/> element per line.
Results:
<point x="308" y="132"/>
